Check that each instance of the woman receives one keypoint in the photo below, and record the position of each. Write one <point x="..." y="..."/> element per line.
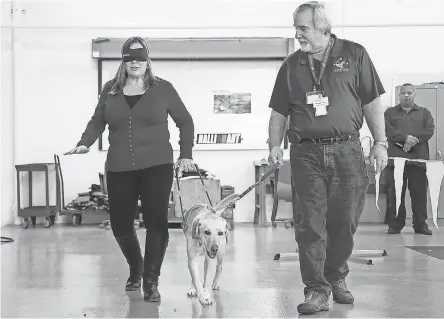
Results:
<point x="135" y="105"/>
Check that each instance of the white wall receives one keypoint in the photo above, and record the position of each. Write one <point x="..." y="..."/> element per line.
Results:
<point x="6" y="130"/>
<point x="54" y="88"/>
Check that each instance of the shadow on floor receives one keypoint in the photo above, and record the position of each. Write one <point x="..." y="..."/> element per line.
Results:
<point x="432" y="251"/>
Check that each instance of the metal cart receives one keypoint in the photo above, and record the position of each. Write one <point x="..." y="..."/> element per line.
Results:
<point x="32" y="212"/>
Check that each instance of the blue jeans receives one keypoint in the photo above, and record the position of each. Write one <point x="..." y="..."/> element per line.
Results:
<point x="330" y="183"/>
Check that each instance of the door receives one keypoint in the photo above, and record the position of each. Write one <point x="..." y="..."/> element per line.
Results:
<point x="439" y="132"/>
<point x="439" y="122"/>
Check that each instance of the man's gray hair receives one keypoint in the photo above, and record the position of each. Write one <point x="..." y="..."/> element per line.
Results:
<point x="320" y="19"/>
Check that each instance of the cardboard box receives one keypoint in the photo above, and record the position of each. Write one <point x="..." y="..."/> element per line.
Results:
<point x="193" y="193"/>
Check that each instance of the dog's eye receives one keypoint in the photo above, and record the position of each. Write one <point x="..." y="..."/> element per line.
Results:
<point x="207" y="232"/>
<point x="220" y="233"/>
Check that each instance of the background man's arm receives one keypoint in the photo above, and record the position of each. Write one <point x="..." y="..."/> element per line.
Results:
<point x="429" y="128"/>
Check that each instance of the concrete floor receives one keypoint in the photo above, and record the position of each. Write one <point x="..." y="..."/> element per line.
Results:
<point x="79" y="272"/>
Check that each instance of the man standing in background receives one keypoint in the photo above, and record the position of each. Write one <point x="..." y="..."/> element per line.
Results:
<point x="409" y="128"/>
<point x="326" y="88"/>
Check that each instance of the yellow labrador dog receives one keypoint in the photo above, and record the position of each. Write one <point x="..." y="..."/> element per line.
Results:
<point x="206" y="233"/>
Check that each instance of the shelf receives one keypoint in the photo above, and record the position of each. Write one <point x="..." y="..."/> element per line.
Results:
<point x="82" y="211"/>
<point x="35" y="167"/>
<point x="37" y="211"/>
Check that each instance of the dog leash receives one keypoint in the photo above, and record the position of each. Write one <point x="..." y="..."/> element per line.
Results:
<point x="265" y="176"/>
<point x="238" y="197"/>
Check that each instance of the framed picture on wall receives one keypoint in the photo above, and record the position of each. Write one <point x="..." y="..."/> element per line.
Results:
<point x="226" y="102"/>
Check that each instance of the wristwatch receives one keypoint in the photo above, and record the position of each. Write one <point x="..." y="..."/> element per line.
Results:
<point x="383" y="144"/>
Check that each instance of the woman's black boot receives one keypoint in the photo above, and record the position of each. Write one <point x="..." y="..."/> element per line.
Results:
<point x="155" y="247"/>
<point x="129" y="244"/>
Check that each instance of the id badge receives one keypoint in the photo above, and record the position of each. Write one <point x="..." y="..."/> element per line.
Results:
<point x="312" y="96"/>
<point x="320" y="106"/>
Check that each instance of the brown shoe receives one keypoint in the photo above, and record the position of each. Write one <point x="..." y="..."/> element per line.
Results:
<point x="341" y="294"/>
<point x="314" y="302"/>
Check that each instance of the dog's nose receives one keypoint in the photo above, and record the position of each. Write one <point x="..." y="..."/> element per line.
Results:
<point x="214" y="249"/>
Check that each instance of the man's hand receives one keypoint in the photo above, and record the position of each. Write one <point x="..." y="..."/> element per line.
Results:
<point x="276" y="156"/>
<point x="410" y="142"/>
<point x="378" y="155"/>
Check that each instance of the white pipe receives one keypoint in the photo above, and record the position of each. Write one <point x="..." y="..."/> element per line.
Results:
<point x="14" y="117"/>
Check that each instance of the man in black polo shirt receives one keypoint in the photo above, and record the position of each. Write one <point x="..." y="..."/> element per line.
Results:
<point x="325" y="89"/>
<point x="409" y="128"/>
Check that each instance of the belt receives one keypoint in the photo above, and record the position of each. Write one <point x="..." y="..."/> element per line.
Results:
<point x="331" y="140"/>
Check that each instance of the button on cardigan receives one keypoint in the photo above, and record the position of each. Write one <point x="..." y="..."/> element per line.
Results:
<point x="139" y="136"/>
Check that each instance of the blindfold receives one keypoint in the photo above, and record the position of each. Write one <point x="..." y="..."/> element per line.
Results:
<point x="135" y="54"/>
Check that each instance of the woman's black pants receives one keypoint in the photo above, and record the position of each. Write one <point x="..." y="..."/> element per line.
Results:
<point x="152" y="186"/>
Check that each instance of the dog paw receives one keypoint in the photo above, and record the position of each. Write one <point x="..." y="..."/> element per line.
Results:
<point x="216" y="287"/>
<point x="192" y="293"/>
<point x="205" y="299"/>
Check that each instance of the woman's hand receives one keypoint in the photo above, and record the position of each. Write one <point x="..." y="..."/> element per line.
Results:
<point x="184" y="165"/>
<point x="81" y="149"/>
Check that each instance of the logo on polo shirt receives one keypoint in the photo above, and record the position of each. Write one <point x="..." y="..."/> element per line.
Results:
<point x="341" y="65"/>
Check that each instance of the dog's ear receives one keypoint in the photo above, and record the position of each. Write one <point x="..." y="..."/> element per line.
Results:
<point x="195" y="229"/>
<point x="219" y="211"/>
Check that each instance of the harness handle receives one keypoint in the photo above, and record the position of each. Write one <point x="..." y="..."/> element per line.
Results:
<point x="178" y="187"/>
<point x="203" y="184"/>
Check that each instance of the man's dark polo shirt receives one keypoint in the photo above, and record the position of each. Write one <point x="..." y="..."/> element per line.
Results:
<point x="350" y="81"/>
<point x="418" y="123"/>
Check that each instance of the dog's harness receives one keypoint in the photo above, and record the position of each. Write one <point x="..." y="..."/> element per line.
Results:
<point x="191" y="218"/>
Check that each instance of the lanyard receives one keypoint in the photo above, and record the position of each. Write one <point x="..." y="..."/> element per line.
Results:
<point x="323" y="65"/>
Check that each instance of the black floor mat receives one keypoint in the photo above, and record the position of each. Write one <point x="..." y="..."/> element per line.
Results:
<point x="432" y="251"/>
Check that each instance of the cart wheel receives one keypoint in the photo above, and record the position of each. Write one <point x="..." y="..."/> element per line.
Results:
<point x="287" y="225"/>
<point x="101" y="226"/>
<point x="25" y="223"/>
<point x="47" y="222"/>
<point x="108" y="227"/>
<point x="274" y="224"/>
